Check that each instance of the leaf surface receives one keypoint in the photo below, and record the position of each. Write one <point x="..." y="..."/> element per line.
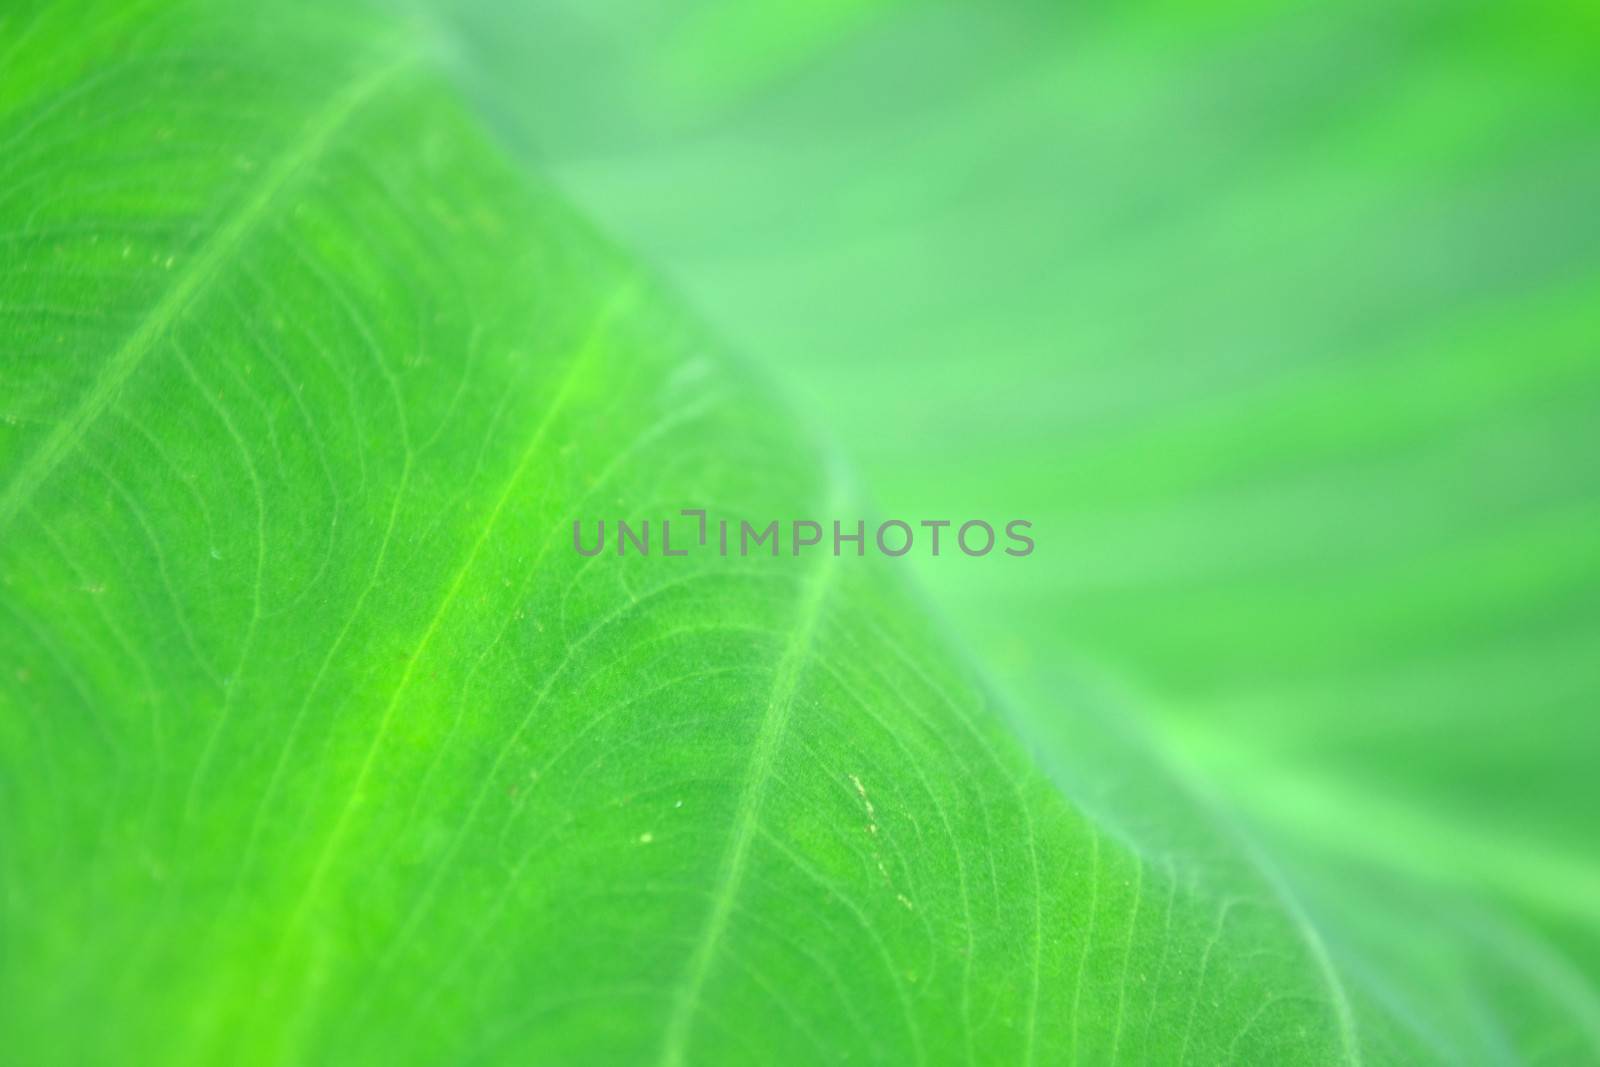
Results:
<point x="1276" y="321"/>
<point x="321" y="744"/>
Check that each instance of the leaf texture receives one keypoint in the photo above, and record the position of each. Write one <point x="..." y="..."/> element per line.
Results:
<point x="319" y="744"/>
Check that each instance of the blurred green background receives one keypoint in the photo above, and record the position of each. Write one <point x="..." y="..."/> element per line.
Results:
<point x="1279" y="321"/>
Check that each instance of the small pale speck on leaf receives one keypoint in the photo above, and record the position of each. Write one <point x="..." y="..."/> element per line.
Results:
<point x="646" y="837"/>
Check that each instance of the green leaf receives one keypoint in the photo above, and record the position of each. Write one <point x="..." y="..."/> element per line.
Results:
<point x="1277" y="321"/>
<point x="319" y="743"/>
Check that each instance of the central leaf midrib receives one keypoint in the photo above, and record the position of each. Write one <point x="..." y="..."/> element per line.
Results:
<point x="774" y="724"/>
